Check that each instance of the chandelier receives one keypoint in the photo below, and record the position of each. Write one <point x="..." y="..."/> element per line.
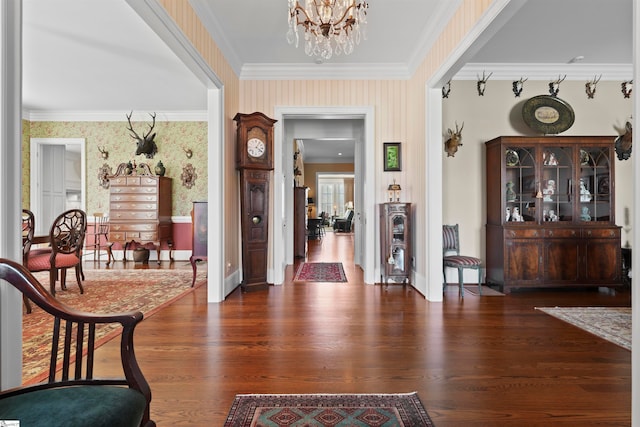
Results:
<point x="330" y="26"/>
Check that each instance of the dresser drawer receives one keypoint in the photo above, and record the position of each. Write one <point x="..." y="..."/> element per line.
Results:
<point x="132" y="226"/>
<point x="515" y="233"/>
<point x="133" y="190"/>
<point x="133" y="215"/>
<point x="118" y="207"/>
<point x="128" y="197"/>
<point x="562" y="232"/>
<point x="602" y="233"/>
<point x="127" y="236"/>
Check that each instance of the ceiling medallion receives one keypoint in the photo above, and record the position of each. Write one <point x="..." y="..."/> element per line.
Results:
<point x="330" y="26"/>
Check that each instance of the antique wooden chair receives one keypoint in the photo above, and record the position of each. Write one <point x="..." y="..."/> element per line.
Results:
<point x="66" y="238"/>
<point x="72" y="397"/>
<point x="97" y="237"/>
<point x="451" y="243"/>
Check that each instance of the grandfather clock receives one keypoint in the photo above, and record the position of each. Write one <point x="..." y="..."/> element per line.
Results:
<point x="254" y="160"/>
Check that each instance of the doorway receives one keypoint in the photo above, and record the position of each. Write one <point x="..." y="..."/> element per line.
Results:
<point x="363" y="136"/>
<point x="58" y="172"/>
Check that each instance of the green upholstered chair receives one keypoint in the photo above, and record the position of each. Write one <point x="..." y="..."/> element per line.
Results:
<point x="72" y="397"/>
<point x="451" y="258"/>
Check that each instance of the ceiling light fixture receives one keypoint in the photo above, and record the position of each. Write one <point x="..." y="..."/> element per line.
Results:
<point x="330" y="26"/>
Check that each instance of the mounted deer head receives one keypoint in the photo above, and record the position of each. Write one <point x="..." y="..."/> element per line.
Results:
<point x="451" y="145"/>
<point x="482" y="83"/>
<point x="146" y="144"/>
<point x="104" y="153"/>
<point x="590" y="87"/>
<point x="624" y="143"/>
<point x="554" y="87"/>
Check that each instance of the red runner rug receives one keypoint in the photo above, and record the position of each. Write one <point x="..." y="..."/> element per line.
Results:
<point x="105" y="291"/>
<point x="320" y="272"/>
<point x="335" y="410"/>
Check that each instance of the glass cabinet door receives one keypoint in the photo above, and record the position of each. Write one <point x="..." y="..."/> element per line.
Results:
<point x="398" y="243"/>
<point x="556" y="184"/>
<point x="593" y="189"/>
<point x="520" y="184"/>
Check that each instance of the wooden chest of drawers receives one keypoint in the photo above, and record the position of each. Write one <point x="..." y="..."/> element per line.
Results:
<point x="140" y="210"/>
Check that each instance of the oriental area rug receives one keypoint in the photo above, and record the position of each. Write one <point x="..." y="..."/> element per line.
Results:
<point x="105" y="291"/>
<point x="335" y="410"/>
<point x="320" y="272"/>
<point x="610" y="323"/>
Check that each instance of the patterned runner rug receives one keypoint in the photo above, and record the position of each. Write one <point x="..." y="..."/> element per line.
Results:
<point x="610" y="323"/>
<point x="320" y="272"/>
<point x="335" y="410"/>
<point x="105" y="291"/>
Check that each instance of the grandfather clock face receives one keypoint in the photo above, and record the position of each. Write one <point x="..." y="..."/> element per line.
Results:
<point x="255" y="162"/>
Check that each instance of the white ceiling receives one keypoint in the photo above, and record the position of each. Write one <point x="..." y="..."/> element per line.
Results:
<point x="99" y="55"/>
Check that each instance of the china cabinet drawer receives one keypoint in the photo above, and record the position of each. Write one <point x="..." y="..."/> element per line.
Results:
<point x="125" y="197"/>
<point x="132" y="206"/>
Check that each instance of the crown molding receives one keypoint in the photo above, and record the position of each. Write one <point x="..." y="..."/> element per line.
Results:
<point x="537" y="71"/>
<point x="324" y="72"/>
<point x="111" y="116"/>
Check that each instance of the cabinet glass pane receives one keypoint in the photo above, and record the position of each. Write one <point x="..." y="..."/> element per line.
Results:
<point x="398" y="260"/>
<point x="557" y="173"/>
<point x="520" y="184"/>
<point x="593" y="187"/>
<point x="398" y="229"/>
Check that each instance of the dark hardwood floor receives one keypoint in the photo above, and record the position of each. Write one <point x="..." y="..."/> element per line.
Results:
<point x="481" y="361"/>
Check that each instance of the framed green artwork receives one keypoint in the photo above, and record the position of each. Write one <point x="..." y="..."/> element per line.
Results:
<point x="392" y="157"/>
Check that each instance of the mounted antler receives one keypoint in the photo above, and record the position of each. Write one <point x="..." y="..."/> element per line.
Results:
<point x="451" y="145"/>
<point x="518" y="85"/>
<point x="103" y="152"/>
<point x="554" y="87"/>
<point x="146" y="144"/>
<point x="590" y="87"/>
<point x="482" y="83"/>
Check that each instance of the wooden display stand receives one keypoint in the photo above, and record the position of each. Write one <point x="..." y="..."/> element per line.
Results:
<point x="395" y="242"/>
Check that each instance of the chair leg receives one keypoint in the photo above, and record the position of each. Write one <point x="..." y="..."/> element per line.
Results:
<point x="480" y="281"/>
<point x="78" y="275"/>
<point x="27" y="304"/>
<point x="444" y="279"/>
<point x="461" y="282"/>
<point x="53" y="274"/>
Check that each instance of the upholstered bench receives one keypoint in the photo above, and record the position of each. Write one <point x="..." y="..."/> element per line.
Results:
<point x="72" y="397"/>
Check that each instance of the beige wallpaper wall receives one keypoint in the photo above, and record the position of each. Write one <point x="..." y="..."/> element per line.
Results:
<point x="498" y="113"/>
<point x="171" y="138"/>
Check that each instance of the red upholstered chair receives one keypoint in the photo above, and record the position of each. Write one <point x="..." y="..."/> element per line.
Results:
<point x="451" y="244"/>
<point x="66" y="238"/>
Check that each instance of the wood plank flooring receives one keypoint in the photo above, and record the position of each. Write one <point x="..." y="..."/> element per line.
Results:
<point x="481" y="361"/>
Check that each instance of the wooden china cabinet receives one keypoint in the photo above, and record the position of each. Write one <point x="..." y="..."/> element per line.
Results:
<point x="395" y="242"/>
<point x="550" y="212"/>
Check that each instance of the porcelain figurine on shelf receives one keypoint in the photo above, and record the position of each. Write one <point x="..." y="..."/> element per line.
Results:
<point x="586" y="216"/>
<point x="549" y="190"/>
<point x="515" y="215"/>
<point x="585" y="196"/>
<point x="511" y="195"/>
<point x="552" y="216"/>
<point x="508" y="215"/>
